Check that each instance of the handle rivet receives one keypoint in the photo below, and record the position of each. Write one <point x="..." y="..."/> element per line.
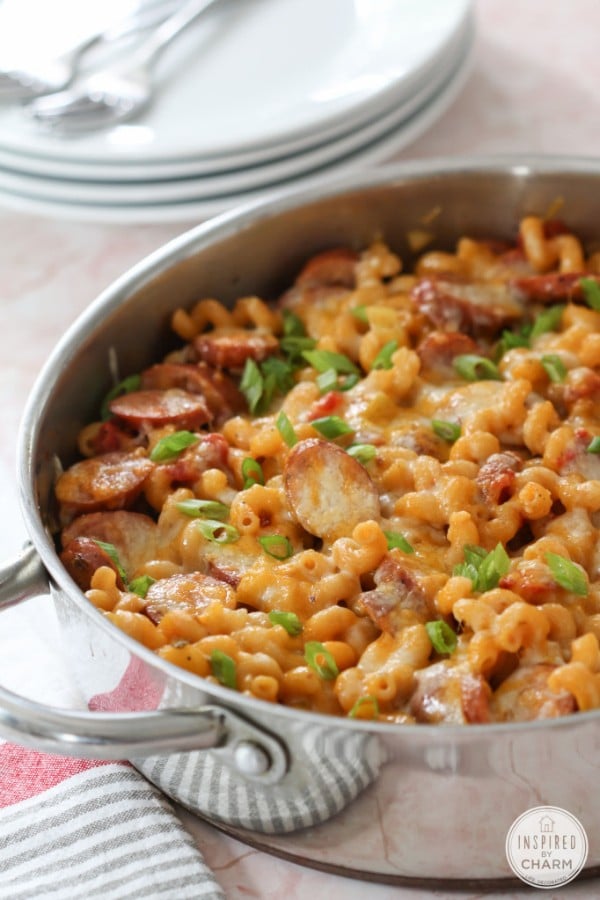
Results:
<point x="251" y="758"/>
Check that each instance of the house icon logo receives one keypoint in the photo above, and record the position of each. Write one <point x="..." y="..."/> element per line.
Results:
<point x="546" y="825"/>
<point x="546" y="847"/>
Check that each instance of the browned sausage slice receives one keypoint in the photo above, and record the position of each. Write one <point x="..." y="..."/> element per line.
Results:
<point x="497" y="476"/>
<point x="448" y="694"/>
<point x="438" y="350"/>
<point x="220" y="392"/>
<point x="331" y="267"/>
<point x="192" y="591"/>
<point x="525" y="696"/>
<point x="156" y="408"/>
<point x="229" y="348"/>
<point x="133" y="535"/>
<point x="109" y="481"/>
<point x="329" y="492"/>
<point x="81" y="557"/>
<point x="475" y="307"/>
<point x="553" y="287"/>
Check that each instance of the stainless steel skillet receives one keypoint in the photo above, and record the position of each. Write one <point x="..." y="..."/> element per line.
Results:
<point x="391" y="803"/>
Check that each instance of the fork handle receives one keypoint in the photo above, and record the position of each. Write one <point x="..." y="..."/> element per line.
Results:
<point x="148" y="51"/>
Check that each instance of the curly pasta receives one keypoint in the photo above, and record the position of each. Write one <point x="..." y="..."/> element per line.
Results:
<point x="377" y="497"/>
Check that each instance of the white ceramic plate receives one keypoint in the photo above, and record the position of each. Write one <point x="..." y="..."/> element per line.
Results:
<point x="239" y="166"/>
<point x="383" y="149"/>
<point x="253" y="74"/>
<point x="187" y="189"/>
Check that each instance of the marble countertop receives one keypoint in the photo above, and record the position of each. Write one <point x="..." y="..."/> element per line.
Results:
<point x="533" y="89"/>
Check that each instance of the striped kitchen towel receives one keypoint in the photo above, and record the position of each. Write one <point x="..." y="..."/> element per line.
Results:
<point x="74" y="829"/>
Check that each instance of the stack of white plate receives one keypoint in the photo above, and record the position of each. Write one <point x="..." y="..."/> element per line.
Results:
<point x="256" y="95"/>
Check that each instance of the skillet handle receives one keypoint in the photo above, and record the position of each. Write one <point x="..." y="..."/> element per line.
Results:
<point x="252" y="751"/>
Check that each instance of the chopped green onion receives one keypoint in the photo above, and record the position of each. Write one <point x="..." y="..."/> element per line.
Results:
<point x="252" y="385"/>
<point x="554" y="367"/>
<point x="223" y="668"/>
<point x="252" y="472"/>
<point x="364" y="453"/>
<point x="129" y="384"/>
<point x="294" y="347"/>
<point x="323" y="360"/>
<point x="293" y="326"/>
<point x="549" y="320"/>
<point x="141" y="585"/>
<point x="594" y="445"/>
<point x="276" y="545"/>
<point x="217" y="532"/>
<point x="278" y="377"/>
<point x="369" y="702"/>
<point x="172" y="445"/>
<point x="331" y="427"/>
<point x="442" y="638"/>
<point x="567" y="574"/>
<point x="320" y="660"/>
<point x="491" y="569"/>
<point x="360" y="313"/>
<point x="111" y="551"/>
<point x="331" y="381"/>
<point x="476" y="368"/>
<point x="397" y="541"/>
<point x="447" y="431"/>
<point x="484" y="569"/>
<point x="591" y="292"/>
<point x="205" y="509"/>
<point x="286" y="429"/>
<point x="510" y="340"/>
<point x="287" y="620"/>
<point x="383" y="360"/>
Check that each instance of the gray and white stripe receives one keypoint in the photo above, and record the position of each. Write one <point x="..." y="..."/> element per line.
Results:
<point x="103" y="833"/>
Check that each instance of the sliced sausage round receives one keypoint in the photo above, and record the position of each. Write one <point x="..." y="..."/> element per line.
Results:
<point x="171" y="407"/>
<point x="192" y="591"/>
<point x="81" y="557"/>
<point x="133" y="535"/>
<point x="329" y="492"/>
<point x="229" y="348"/>
<point x="109" y="481"/>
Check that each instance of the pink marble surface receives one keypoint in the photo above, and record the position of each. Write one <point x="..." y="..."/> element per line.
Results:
<point x="533" y="89"/>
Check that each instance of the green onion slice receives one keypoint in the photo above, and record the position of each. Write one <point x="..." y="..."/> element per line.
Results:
<point x="364" y="453"/>
<point x="549" y="320"/>
<point x="323" y="360"/>
<point x="383" y="360"/>
<point x="331" y="381"/>
<point x="129" y="384"/>
<point x="331" y="427"/>
<point x="252" y="472"/>
<point x="172" y="445"/>
<point x="320" y="660"/>
<point x="442" y="638"/>
<point x="276" y="545"/>
<point x="205" y="509"/>
<point x="252" y="385"/>
<point x="594" y="445"/>
<point x="591" y="292"/>
<point x="141" y="584"/>
<point x="287" y="620"/>
<point x="567" y="574"/>
<point x="286" y="429"/>
<point x="476" y="368"/>
<point x="360" y="313"/>
<point x="293" y="326"/>
<point x="397" y="541"/>
<point x="447" y="431"/>
<point x="223" y="668"/>
<point x="369" y="703"/>
<point x="484" y="569"/>
<point x="217" y="532"/>
<point x="554" y="367"/>
<point x="511" y="339"/>
<point x="112" y="552"/>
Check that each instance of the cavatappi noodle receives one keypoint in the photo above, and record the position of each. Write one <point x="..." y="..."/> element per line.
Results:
<point x="378" y="497"/>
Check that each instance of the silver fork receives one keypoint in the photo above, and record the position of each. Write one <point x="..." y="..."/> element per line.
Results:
<point x="120" y="91"/>
<point x="46" y="76"/>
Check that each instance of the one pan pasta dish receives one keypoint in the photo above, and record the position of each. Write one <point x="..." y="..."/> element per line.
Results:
<point x="377" y="497"/>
